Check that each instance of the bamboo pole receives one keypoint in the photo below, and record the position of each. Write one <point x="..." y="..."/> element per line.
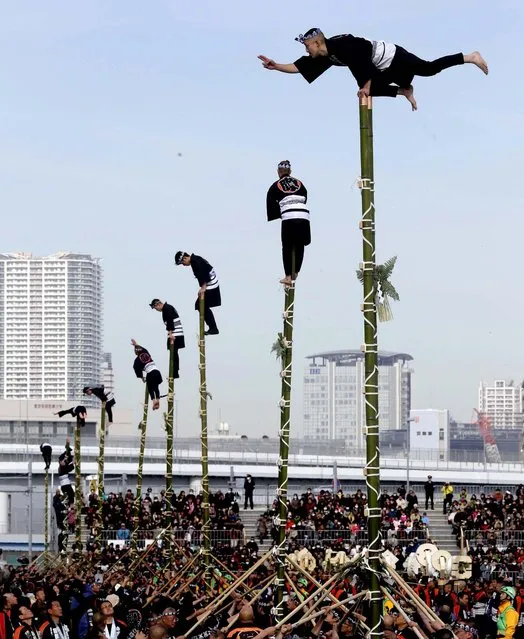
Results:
<point x="78" y="485"/>
<point x="206" y="546"/>
<point x="400" y="610"/>
<point x="260" y="587"/>
<point x="140" y="471"/>
<point x="314" y="615"/>
<point x="418" y="601"/>
<point x="169" y="425"/>
<point x="173" y="581"/>
<point x="46" y="512"/>
<point x="314" y="581"/>
<point x="228" y="590"/>
<point x="251" y="601"/>
<point x="224" y="567"/>
<point x="285" y="419"/>
<point x="319" y="590"/>
<point x="299" y="595"/>
<point x="127" y="552"/>
<point x="102" y="440"/>
<point x="369" y="309"/>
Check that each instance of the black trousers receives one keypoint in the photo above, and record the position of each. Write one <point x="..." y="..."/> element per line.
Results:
<point x="153" y="381"/>
<point x="248" y="498"/>
<point x="448" y="500"/>
<point x="429" y="498"/>
<point x="109" y="410"/>
<point x="47" y="451"/>
<point x="295" y="235"/>
<point x="212" y="298"/>
<point x="178" y="344"/>
<point x="405" y="66"/>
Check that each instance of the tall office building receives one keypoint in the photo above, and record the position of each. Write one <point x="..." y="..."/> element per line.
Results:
<point x="50" y="325"/>
<point x="334" y="395"/>
<point x="502" y="403"/>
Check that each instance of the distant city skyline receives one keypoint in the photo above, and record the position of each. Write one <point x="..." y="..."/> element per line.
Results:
<point x="120" y="145"/>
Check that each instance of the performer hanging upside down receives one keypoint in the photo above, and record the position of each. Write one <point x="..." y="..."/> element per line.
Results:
<point x="80" y="412"/>
<point x="175" y="332"/>
<point x="375" y="65"/>
<point x="108" y="398"/>
<point x="286" y="200"/>
<point x="146" y="370"/>
<point x="209" y="286"/>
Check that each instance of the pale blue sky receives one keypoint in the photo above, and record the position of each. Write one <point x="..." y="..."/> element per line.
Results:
<point x="98" y="98"/>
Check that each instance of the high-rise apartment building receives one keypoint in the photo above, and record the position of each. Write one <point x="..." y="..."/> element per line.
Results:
<point x="502" y="403"/>
<point x="50" y="325"/>
<point x="108" y="375"/>
<point x="334" y="395"/>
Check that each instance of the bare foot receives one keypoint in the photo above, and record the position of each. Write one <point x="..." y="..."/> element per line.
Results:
<point x="408" y="94"/>
<point x="476" y="59"/>
<point x="286" y="281"/>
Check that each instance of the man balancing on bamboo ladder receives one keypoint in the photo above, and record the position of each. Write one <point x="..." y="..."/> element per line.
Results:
<point x="380" y="68"/>
<point x="286" y="200"/>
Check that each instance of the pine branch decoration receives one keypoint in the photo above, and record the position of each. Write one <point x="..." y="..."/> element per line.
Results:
<point x="279" y="347"/>
<point x="384" y="289"/>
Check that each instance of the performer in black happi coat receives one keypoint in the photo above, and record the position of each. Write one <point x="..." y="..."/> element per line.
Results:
<point x="108" y="398"/>
<point x="80" y="412"/>
<point x="286" y="200"/>
<point x="175" y="331"/>
<point x="146" y="369"/>
<point x="209" y="286"/>
<point x="376" y="65"/>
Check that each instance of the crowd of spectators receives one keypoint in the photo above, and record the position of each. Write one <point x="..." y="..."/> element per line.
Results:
<point x="184" y="515"/>
<point x="336" y="520"/>
<point x="328" y="517"/>
<point x="492" y="525"/>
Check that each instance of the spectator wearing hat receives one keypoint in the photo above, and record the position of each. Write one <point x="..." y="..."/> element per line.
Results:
<point x="287" y="200"/>
<point x="507" y="617"/>
<point x="209" y="286"/>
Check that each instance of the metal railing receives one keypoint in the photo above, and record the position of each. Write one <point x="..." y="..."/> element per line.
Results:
<point x="310" y="538"/>
<point x="261" y="453"/>
<point x="144" y="538"/>
<point x="495" y="537"/>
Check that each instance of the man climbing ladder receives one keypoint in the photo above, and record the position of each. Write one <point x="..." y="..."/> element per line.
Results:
<point x="286" y="200"/>
<point x="376" y="65"/>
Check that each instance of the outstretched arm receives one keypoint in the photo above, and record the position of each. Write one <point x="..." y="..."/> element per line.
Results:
<point x="267" y="63"/>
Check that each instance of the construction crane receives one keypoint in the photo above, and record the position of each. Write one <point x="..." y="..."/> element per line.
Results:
<point x="486" y="431"/>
